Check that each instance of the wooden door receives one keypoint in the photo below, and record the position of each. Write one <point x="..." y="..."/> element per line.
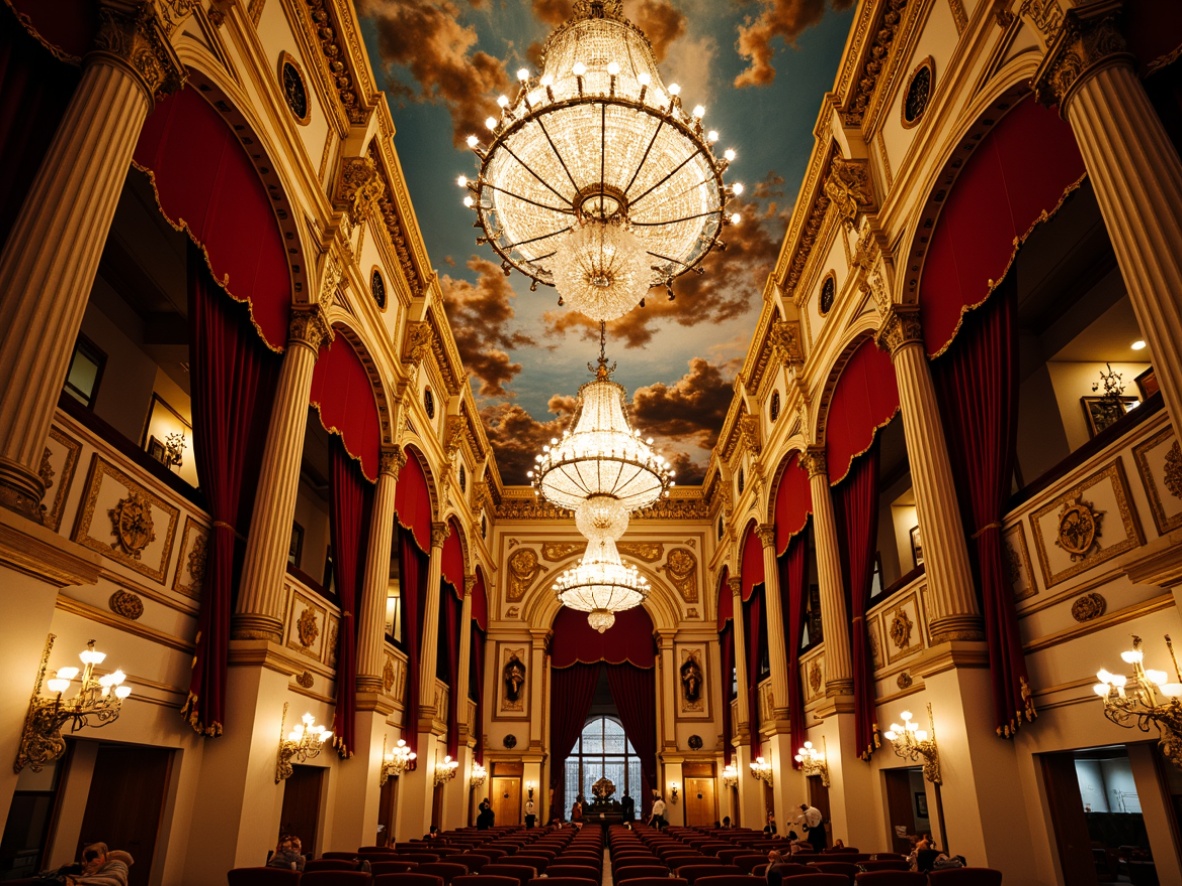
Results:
<point x="126" y="801"/>
<point x="1067" y="817"/>
<point x="387" y="812"/>
<point x="819" y="797"/>
<point x="505" y="795"/>
<point x="301" y="807"/>
<point x="900" y="808"/>
<point x="701" y="806"/>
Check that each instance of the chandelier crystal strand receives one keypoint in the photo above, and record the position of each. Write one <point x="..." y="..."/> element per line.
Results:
<point x="601" y="585"/>
<point x="601" y="516"/>
<point x="594" y="177"/>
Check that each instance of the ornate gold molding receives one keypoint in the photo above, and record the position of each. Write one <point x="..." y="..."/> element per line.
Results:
<point x="391" y="461"/>
<point x="1087" y="40"/>
<point x="439" y="534"/>
<point x="875" y="57"/>
<point x="900" y="327"/>
<point x="135" y="34"/>
<point x="359" y="186"/>
<point x="126" y="604"/>
<point x="309" y="326"/>
<point x="849" y="189"/>
<point x="786" y="340"/>
<point x="813" y="461"/>
<point x="336" y="57"/>
<point x="1088" y="607"/>
<point x="681" y="568"/>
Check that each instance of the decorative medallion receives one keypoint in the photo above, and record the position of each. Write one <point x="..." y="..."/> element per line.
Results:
<point x="681" y="568"/>
<point x="1079" y="528"/>
<point x="692" y="612"/>
<point x="1088" y="606"/>
<point x="127" y="604"/>
<point x="388" y="677"/>
<point x="900" y="630"/>
<point x="1173" y="472"/>
<point x="918" y="93"/>
<point x="294" y="90"/>
<point x="306" y="628"/>
<point x="305" y="679"/>
<point x="904" y="681"/>
<point x="773" y="409"/>
<point x="695" y="742"/>
<point x="514" y="612"/>
<point x="196" y="560"/>
<point x="509" y="741"/>
<point x="828" y="293"/>
<point x="523" y="569"/>
<point x="815" y="676"/>
<point x="377" y="287"/>
<point x="429" y="402"/>
<point x="131" y="524"/>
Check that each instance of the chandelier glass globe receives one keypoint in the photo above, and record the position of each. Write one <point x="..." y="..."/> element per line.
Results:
<point x="601" y="516"/>
<point x="601" y="585"/>
<point x="601" y="268"/>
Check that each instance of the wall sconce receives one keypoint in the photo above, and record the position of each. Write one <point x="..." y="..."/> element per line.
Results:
<point x="762" y="769"/>
<point x="813" y="762"/>
<point x="529" y="790"/>
<point x="1150" y="699"/>
<point x="730" y="776"/>
<point x="396" y="761"/>
<point x="674" y="787"/>
<point x="445" y="769"/>
<point x="302" y="743"/>
<point x="100" y="698"/>
<point x="912" y="743"/>
<point x="479" y="774"/>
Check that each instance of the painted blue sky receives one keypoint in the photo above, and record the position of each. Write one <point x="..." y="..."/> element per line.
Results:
<point x="759" y="66"/>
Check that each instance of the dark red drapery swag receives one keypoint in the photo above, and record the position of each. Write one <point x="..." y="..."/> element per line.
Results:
<point x="343" y="396"/>
<point x="794" y="502"/>
<point x="865" y="398"/>
<point x="413" y="564"/>
<point x="35" y="89"/>
<point x="571" y="692"/>
<point x="634" y="692"/>
<point x="792" y="566"/>
<point x="449" y="664"/>
<point x="412" y="501"/>
<point x="233" y="381"/>
<point x="855" y="503"/>
<point x="751" y="564"/>
<point x="628" y="641"/>
<point x="977" y="386"/>
<point x="349" y="509"/>
<point x="756" y="637"/>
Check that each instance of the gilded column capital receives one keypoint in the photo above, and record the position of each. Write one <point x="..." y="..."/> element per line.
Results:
<point x="391" y="461"/>
<point x="135" y="34"/>
<point x="309" y="326"/>
<point x="766" y="533"/>
<point x="735" y="583"/>
<point x="849" y="189"/>
<point x="785" y="338"/>
<point x="900" y="327"/>
<point x="469" y="584"/>
<point x="1080" y="42"/>
<point x="439" y="534"/>
<point x="813" y="461"/>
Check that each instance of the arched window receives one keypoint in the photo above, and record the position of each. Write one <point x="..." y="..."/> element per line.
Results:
<point x="602" y="750"/>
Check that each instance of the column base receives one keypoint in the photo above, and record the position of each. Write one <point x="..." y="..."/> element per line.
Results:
<point x="956" y="627"/>
<point x="253" y="626"/>
<point x="835" y="688"/>
<point x="21" y="490"/>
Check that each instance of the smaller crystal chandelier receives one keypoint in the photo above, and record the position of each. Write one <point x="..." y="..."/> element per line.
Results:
<point x="762" y="769"/>
<point x="600" y="268"/>
<point x="812" y="762"/>
<point x="912" y="743"/>
<point x="97" y="698"/>
<point x="601" y="585"/>
<point x="445" y="769"/>
<point x="1151" y="698"/>
<point x="730" y="776"/>
<point x="302" y="744"/>
<point x="396" y="761"/>
<point x="479" y="775"/>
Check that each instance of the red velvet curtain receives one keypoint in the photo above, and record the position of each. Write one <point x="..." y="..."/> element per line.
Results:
<point x="977" y="386"/>
<point x="571" y="692"/>
<point x="412" y="501"/>
<point x="232" y="378"/>
<point x="794" y="502"/>
<point x="342" y="393"/>
<point x="865" y="398"/>
<point x="448" y="664"/>
<point x="35" y="89"/>
<point x="855" y="502"/>
<point x="751" y="564"/>
<point x="350" y="506"/>
<point x="413" y="564"/>
<point x="756" y="637"/>
<point x="726" y="644"/>
<point x="634" y="692"/>
<point x="793" y="581"/>
<point x="628" y="641"/>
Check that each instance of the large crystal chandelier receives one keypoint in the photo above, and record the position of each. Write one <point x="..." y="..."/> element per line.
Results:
<point x="596" y="180"/>
<point x="601" y="585"/>
<point x="601" y="468"/>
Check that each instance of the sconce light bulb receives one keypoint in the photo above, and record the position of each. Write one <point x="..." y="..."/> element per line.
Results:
<point x="1102" y="689"/>
<point x="117" y="677"/>
<point x="92" y="656"/>
<point x="121" y="692"/>
<point x="1132" y="656"/>
<point x="1157" y="677"/>
<point x="67" y="674"/>
<point x="906" y="715"/>
<point x="921" y="734"/>
<point x="1104" y="676"/>
<point x="57" y="686"/>
<point x="891" y="734"/>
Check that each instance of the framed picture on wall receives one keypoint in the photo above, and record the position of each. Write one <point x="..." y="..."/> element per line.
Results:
<point x="1147" y="383"/>
<point x="921" y="804"/>
<point x="1103" y="412"/>
<point x="916" y="546"/>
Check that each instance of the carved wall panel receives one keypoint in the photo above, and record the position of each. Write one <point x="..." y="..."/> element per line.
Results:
<point x="57" y="473"/>
<point x="1016" y="559"/>
<point x="125" y="521"/>
<point x="902" y="631"/>
<point x="693" y="683"/>
<point x="1159" y="465"/>
<point x="190" y="570"/>
<point x="681" y="568"/>
<point x="524" y="567"/>
<point x="307" y="626"/>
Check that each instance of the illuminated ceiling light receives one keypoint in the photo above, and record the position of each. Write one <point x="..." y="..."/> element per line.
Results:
<point x="1138" y="345"/>
<point x="598" y="143"/>
<point x="601" y="585"/>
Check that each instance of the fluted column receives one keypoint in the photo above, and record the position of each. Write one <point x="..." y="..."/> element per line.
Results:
<point x="429" y="651"/>
<point x="777" y="648"/>
<point x="835" y="626"/>
<point x="260" y="597"/>
<point x="743" y="720"/>
<point x="1134" y="170"/>
<point x="539" y="694"/>
<point x="465" y="657"/>
<point x="668" y="685"/>
<point x="371" y="628"/>
<point x="52" y="255"/>
<point x="951" y="591"/>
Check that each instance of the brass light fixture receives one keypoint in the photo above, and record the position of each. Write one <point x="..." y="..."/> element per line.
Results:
<point x="97" y="702"/>
<point x="762" y="769"/>
<point x="915" y="744"/>
<point x="301" y="744"/>
<point x="813" y="762"/>
<point x="1151" y="698"/>
<point x="479" y="775"/>
<point x="395" y="761"/>
<point x="445" y="769"/>
<point x="730" y="776"/>
<point x="529" y="790"/>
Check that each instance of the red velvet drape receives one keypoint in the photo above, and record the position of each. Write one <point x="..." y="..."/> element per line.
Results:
<point x="232" y="378"/>
<point x="634" y="692"/>
<point x="413" y="564"/>
<point x="751" y="564"/>
<point x="855" y="503"/>
<point x="977" y="386"/>
<point x="756" y="637"/>
<point x="571" y="691"/>
<point x="628" y="641"/>
<point x="726" y="645"/>
<point x="35" y="89"/>
<point x="794" y="502"/>
<point x="452" y="559"/>
<point x="350" y="506"/>
<point x="412" y="501"/>
<point x="342" y="393"/>
<point x="793" y="573"/>
<point x="865" y="398"/>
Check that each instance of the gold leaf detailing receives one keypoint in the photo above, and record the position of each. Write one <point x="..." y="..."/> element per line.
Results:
<point x="900" y="630"/>
<point x="126" y="604"/>
<point x="1173" y="472"/>
<point x="1079" y="528"/>
<point x="306" y="680"/>
<point x="306" y="628"/>
<point x="1088" y="607"/>
<point x="131" y="524"/>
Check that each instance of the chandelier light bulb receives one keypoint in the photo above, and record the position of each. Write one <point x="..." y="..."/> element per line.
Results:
<point x="523" y="74"/>
<point x="643" y="78"/>
<point x="675" y="89"/>
<point x="613" y="68"/>
<point x="729" y="154"/>
<point x="736" y="218"/>
<point x="579" y="69"/>
<point x="699" y="111"/>
<point x="503" y="101"/>
<point x="473" y="141"/>
<point x="490" y="122"/>
<point x="469" y="202"/>
<point x="462" y="181"/>
<point x="737" y="188"/>
<point x="547" y="80"/>
<point x="600" y="268"/>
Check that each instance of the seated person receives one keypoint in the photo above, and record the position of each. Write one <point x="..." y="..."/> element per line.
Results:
<point x="288" y="854"/>
<point x="101" y="867"/>
<point x="775" y="867"/>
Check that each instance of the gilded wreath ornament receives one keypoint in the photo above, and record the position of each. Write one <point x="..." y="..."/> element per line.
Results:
<point x="306" y="627"/>
<point x="1079" y="528"/>
<point x="131" y="524"/>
